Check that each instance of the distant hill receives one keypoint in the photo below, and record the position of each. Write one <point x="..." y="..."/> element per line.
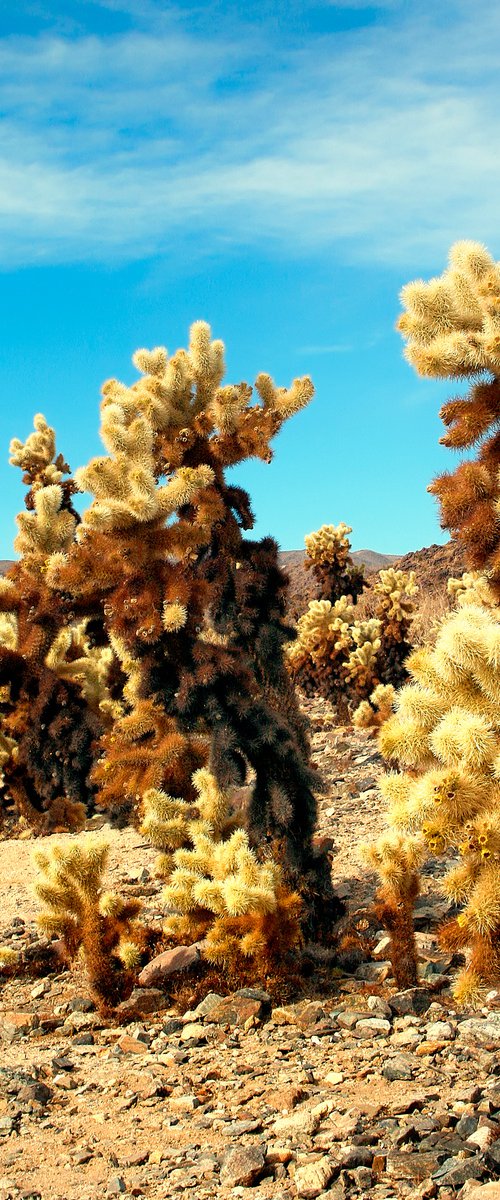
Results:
<point x="433" y="566"/>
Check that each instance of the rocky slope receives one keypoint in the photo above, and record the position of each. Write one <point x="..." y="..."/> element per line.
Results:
<point x="349" y="1091"/>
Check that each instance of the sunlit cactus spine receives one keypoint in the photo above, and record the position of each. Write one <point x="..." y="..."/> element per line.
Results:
<point x="76" y="909"/>
<point x="221" y="891"/>
<point x="328" y="557"/>
<point x="445" y="797"/>
<point x="452" y="330"/>
<point x="50" y="714"/>
<point x="341" y="656"/>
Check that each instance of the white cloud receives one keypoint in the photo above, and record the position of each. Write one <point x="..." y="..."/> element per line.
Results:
<point x="379" y="142"/>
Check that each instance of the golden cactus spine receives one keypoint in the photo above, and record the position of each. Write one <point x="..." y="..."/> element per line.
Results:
<point x="451" y="326"/>
<point x="217" y="887"/>
<point x="445" y="798"/>
<point x="69" y="886"/>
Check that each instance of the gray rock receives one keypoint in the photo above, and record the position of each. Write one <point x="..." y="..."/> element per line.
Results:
<point x="141" y="1002"/>
<point x="466" y="1125"/>
<point x="454" y="1172"/>
<point x="209" y="1002"/>
<point x="399" y="1067"/>
<point x="411" y="1000"/>
<point x="355" y="1156"/>
<point x="116" y="1186"/>
<point x="242" y="1166"/>
<point x="479" y="1029"/>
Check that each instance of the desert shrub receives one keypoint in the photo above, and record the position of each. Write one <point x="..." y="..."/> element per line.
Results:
<point x="165" y="623"/>
<point x="51" y="681"/>
<point x="353" y="662"/>
<point x="444" y="799"/>
<point x="100" y="924"/>
<point x="452" y="329"/>
<point x="217" y="887"/>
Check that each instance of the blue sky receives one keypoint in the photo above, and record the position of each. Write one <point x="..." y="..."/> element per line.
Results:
<point x="278" y="168"/>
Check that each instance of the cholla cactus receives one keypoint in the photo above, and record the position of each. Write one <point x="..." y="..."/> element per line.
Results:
<point x="445" y="735"/>
<point x="43" y="714"/>
<point x="372" y="713"/>
<point x="340" y="656"/>
<point x="328" y="557"/>
<point x="452" y="329"/>
<point x="77" y="910"/>
<point x="160" y="554"/>
<point x="472" y="588"/>
<point x="220" y="891"/>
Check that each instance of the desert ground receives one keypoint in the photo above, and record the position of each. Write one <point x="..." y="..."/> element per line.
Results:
<point x="349" y="1089"/>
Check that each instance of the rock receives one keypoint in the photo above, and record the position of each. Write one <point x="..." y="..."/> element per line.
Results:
<point x="311" y="1015"/>
<point x="82" y="1004"/>
<point x="374" y="972"/>
<point x="303" y="1122"/>
<point x="484" y="1191"/>
<point x="466" y="1125"/>
<point x="355" y="1156"/>
<point x="209" y="1002"/>
<point x="334" y="1077"/>
<point x="172" y="1025"/>
<point x="286" y="1098"/>
<point x="382" y="948"/>
<point x="141" y="1002"/>
<point x="241" y="1166"/>
<point x="250" y="993"/>
<point x="411" y="1000"/>
<point x="131" y="1045"/>
<point x="480" y="1030"/>
<point x="312" y="1179"/>
<point x="454" y="1172"/>
<point x="37" y="1091"/>
<point x="193" y="1032"/>
<point x="373" y="1027"/>
<point x="379" y="1008"/>
<point x="399" y="1067"/>
<point x="429" y="1048"/>
<point x="401" y="1164"/>
<point x="236" y="1010"/>
<point x="16" y="1025"/>
<point x="492" y="1157"/>
<point x="440" y="1031"/>
<point x="379" y="1164"/>
<point x="180" y="958"/>
<point x="481" y="1138"/>
<point x="116" y="1186"/>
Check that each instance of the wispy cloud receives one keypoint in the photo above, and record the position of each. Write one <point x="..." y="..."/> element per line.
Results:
<point x="379" y="141"/>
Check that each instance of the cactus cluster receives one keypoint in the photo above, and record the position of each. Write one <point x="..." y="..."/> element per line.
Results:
<point x="144" y="640"/>
<point x="218" y="888"/>
<point x="50" y="682"/>
<point x="452" y="329"/>
<point x="355" y="663"/>
<point x="445" y="798"/>
<point x="101" y="924"/>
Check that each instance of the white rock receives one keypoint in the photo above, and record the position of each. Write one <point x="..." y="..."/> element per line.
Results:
<point x="312" y="1179"/>
<point x="373" y="1027"/>
<point x="439" y="1031"/>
